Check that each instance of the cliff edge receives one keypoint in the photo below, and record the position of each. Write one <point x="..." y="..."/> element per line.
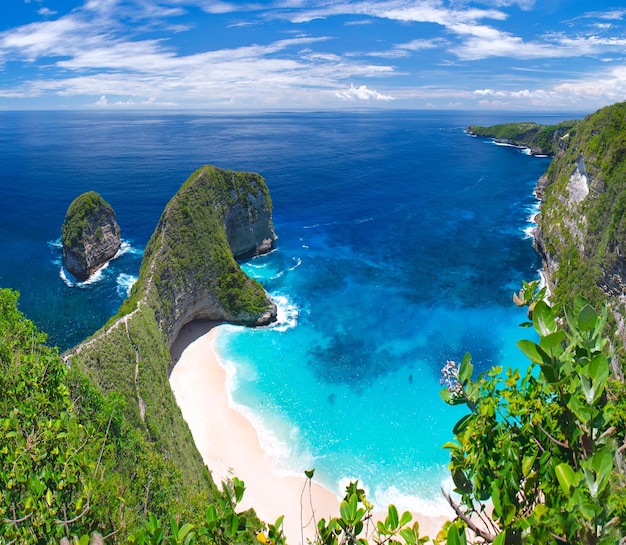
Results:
<point x="90" y="235"/>
<point x="189" y="272"/>
<point x="581" y="230"/>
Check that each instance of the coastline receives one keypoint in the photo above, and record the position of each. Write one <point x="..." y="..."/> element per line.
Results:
<point x="229" y="444"/>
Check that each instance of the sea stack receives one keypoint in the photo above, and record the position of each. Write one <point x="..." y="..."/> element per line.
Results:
<point x="90" y="235"/>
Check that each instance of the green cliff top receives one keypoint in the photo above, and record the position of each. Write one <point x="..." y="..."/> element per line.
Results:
<point x="540" y="139"/>
<point x="79" y="214"/>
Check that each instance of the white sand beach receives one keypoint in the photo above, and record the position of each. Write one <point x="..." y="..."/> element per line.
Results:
<point x="229" y="444"/>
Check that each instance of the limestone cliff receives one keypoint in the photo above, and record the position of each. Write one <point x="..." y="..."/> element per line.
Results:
<point x="582" y="226"/>
<point x="189" y="271"/>
<point x="90" y="235"/>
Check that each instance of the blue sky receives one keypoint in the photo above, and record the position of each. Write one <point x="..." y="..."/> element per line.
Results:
<point x="556" y="55"/>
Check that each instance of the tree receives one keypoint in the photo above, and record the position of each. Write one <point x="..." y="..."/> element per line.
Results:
<point x="544" y="446"/>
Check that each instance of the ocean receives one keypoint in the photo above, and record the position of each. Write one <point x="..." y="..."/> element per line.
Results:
<point x="400" y="242"/>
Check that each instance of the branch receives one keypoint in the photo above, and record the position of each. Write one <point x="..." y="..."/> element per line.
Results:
<point x="71" y="521"/>
<point x="470" y="523"/>
<point x="17" y="521"/>
<point x="554" y="440"/>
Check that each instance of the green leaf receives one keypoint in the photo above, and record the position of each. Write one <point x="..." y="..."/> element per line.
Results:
<point x="186" y="528"/>
<point x="582" y="411"/>
<point x="543" y="319"/>
<point x="552" y="343"/>
<point x="211" y="514"/>
<point x="500" y="539"/>
<point x="392" y="517"/>
<point x="309" y="473"/>
<point x="495" y="499"/>
<point x="408" y="534"/>
<point x="344" y="510"/>
<point x="405" y="518"/>
<point x="532" y="351"/>
<point x="453" y="536"/>
<point x="508" y="514"/>
<point x="579" y="303"/>
<point x="464" y="486"/>
<point x="587" y="318"/>
<point x="527" y="464"/>
<point x="460" y="426"/>
<point x="466" y="369"/>
<point x="566" y="476"/>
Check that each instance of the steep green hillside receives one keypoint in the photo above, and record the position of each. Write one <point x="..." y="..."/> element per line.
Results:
<point x="583" y="214"/>
<point x="71" y="462"/>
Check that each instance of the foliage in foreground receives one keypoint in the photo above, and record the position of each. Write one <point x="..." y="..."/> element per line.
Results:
<point x="70" y="463"/>
<point x="544" y="446"/>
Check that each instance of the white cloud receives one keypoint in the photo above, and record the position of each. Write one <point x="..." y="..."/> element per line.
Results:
<point x="361" y="93"/>
<point x="46" y="12"/>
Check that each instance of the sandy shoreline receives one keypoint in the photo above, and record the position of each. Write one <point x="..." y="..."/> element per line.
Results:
<point x="229" y="444"/>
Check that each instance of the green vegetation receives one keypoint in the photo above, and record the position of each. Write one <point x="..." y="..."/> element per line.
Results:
<point x="78" y="216"/>
<point x="540" y="139"/>
<point x="71" y="463"/>
<point x="587" y="237"/>
<point x="544" y="445"/>
<point x="189" y="256"/>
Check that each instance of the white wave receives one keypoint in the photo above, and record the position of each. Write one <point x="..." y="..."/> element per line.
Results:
<point x="320" y="225"/>
<point x="381" y="498"/>
<point x="287" y="313"/>
<point x="125" y="283"/>
<point x="72" y="282"/>
<point x="531" y="222"/>
<point x="255" y="266"/>
<point x="363" y="220"/>
<point x="529" y="231"/>
<point x="504" y="144"/>
<point x="56" y="244"/>
<point x="280" y="440"/>
<point x="298" y="263"/>
<point x="527" y="151"/>
<point x="541" y="156"/>
<point x="127" y="248"/>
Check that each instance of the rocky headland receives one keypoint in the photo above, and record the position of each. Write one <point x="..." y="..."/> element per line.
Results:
<point x="189" y="272"/>
<point x="538" y="139"/>
<point x="90" y="235"/>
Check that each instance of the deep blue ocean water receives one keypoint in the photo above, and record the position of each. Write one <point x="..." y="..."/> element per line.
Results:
<point x="401" y="240"/>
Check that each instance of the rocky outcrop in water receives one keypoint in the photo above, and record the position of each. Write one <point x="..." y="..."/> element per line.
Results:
<point x="90" y="235"/>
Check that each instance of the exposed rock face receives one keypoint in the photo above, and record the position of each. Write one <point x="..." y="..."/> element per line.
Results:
<point x="581" y="232"/>
<point x="249" y="227"/>
<point x="90" y="235"/>
<point x="190" y="272"/>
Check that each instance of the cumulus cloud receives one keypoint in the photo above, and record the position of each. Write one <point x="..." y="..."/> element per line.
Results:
<point x="361" y="93"/>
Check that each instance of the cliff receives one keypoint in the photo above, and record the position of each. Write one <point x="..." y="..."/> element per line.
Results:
<point x="539" y="139"/>
<point x="90" y="235"/>
<point x="582" y="226"/>
<point x="189" y="272"/>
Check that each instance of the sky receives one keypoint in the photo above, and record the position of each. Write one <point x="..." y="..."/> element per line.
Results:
<point x="526" y="55"/>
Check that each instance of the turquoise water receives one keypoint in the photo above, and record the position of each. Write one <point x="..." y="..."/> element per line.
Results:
<point x="400" y="242"/>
